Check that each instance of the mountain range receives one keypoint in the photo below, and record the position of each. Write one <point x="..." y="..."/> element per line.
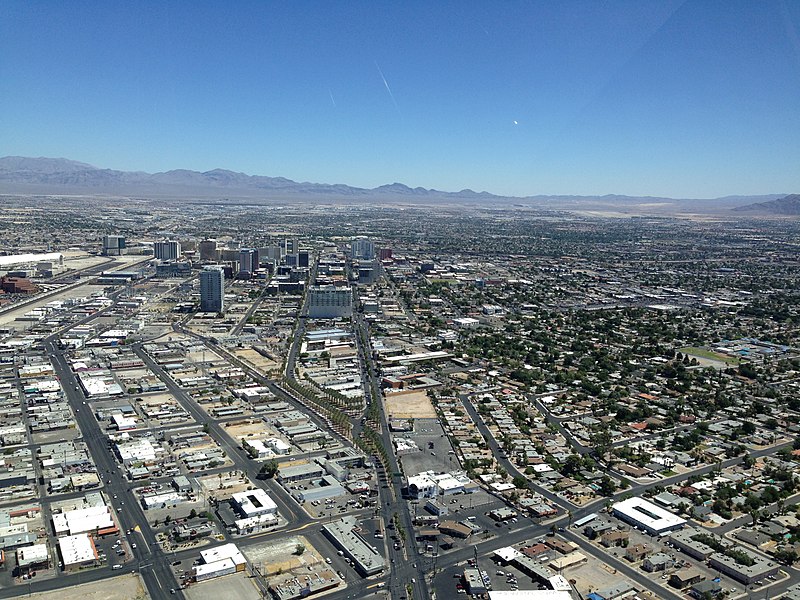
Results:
<point x="26" y="175"/>
<point x="788" y="205"/>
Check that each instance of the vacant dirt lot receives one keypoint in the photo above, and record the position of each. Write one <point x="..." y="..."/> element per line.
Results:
<point x="126" y="587"/>
<point x="410" y="405"/>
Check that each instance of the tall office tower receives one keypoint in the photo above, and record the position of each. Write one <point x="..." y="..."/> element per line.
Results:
<point x="291" y="246"/>
<point x="363" y="249"/>
<point x="212" y="289"/>
<point x="113" y="245"/>
<point x="273" y="252"/>
<point x="330" y="302"/>
<point x="248" y="261"/>
<point x="208" y="250"/>
<point x="167" y="250"/>
<point x="302" y="258"/>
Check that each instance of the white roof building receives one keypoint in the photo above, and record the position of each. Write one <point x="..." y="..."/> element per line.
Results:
<point x="218" y="568"/>
<point x="136" y="451"/>
<point x="218" y="561"/>
<point x="255" y="502"/>
<point x="122" y="422"/>
<point x="32" y="555"/>
<point x="77" y="549"/>
<point x="648" y="516"/>
<point x="83" y="520"/>
<point x="507" y="553"/>
<point x="278" y="446"/>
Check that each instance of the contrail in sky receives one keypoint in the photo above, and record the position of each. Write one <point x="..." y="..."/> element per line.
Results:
<point x="388" y="89"/>
<point x="332" y="100"/>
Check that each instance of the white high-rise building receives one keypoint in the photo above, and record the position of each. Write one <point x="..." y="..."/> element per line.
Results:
<point x="212" y="289"/>
<point x="167" y="250"/>
<point x="330" y="302"/>
<point x="363" y="249"/>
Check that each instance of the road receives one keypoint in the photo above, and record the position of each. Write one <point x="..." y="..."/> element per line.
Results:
<point x="241" y="462"/>
<point x="505" y="463"/>
<point x="156" y="575"/>
<point x="407" y="566"/>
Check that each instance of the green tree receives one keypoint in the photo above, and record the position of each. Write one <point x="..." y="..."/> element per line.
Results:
<point x="520" y="482"/>
<point x="786" y="557"/>
<point x="269" y="469"/>
<point x="607" y="486"/>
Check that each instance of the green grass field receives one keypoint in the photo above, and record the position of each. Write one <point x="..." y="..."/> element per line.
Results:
<point x="704" y="353"/>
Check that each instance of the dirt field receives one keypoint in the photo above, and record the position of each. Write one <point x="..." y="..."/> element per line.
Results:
<point x="225" y="486"/>
<point x="259" y="362"/>
<point x="592" y="576"/>
<point x="279" y="555"/>
<point x="126" y="587"/>
<point x="409" y="405"/>
<point x="235" y="587"/>
<point x="255" y="428"/>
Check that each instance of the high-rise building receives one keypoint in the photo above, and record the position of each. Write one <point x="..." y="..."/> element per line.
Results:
<point x="273" y="252"/>
<point x="291" y="246"/>
<point x="167" y="250"/>
<point x="212" y="289"/>
<point x="248" y="261"/>
<point x="330" y="302"/>
<point x="113" y="245"/>
<point x="302" y="258"/>
<point x="363" y="249"/>
<point x="208" y="250"/>
<point x="385" y="253"/>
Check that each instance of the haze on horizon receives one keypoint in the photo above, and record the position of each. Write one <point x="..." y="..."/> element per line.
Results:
<point x="642" y="98"/>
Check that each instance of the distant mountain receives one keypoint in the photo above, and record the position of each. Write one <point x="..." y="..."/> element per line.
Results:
<point x="788" y="205"/>
<point x="23" y="164"/>
<point x="53" y="176"/>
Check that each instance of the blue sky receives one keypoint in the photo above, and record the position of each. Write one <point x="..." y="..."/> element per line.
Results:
<point x="682" y="99"/>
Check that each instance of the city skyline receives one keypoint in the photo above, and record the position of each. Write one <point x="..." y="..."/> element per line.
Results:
<point x="659" y="99"/>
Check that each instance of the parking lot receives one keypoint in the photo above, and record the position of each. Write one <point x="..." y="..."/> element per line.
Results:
<point x="436" y="453"/>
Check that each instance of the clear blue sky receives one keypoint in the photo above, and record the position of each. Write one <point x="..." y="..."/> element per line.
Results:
<point x="694" y="99"/>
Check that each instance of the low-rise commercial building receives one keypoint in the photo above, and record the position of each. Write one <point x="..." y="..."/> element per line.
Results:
<point x="254" y="502"/>
<point x="77" y="551"/>
<point x="647" y="516"/>
<point x="747" y="569"/>
<point x="344" y="536"/>
<point x="219" y="561"/>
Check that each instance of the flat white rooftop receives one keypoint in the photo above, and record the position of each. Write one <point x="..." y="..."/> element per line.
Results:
<point x="648" y="515"/>
<point x="228" y="551"/>
<point x="255" y="502"/>
<point x="77" y="549"/>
